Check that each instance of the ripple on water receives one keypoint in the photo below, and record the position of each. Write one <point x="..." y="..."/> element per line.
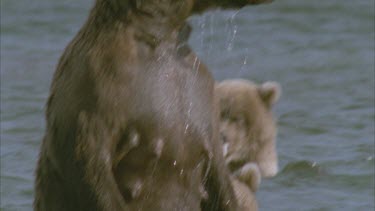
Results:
<point x="305" y="173"/>
<point x="303" y="168"/>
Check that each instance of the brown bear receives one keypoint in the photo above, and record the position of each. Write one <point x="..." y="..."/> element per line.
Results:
<point x="131" y="118"/>
<point x="247" y="126"/>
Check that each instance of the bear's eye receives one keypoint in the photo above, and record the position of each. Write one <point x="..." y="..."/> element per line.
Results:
<point x="239" y="120"/>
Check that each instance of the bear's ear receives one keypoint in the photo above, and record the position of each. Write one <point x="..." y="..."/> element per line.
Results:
<point x="269" y="92"/>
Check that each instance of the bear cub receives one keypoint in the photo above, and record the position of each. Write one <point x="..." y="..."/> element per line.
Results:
<point x="248" y="134"/>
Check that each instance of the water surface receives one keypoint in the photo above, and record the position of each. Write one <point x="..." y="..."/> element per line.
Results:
<point x="321" y="52"/>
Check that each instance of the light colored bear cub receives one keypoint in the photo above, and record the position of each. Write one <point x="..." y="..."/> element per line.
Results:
<point x="248" y="132"/>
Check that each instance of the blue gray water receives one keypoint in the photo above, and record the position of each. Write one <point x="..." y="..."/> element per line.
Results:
<point x="321" y="52"/>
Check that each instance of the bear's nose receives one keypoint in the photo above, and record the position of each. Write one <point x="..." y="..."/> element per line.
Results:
<point x="268" y="168"/>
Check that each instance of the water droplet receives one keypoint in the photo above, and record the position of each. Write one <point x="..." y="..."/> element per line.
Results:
<point x="196" y="65"/>
<point x="225" y="149"/>
<point x="137" y="189"/>
<point x="159" y="147"/>
<point x="181" y="172"/>
<point x="188" y="114"/>
<point x="233" y="32"/>
<point x="186" y="128"/>
<point x="203" y="192"/>
<point x="174" y="163"/>
<point x="134" y="140"/>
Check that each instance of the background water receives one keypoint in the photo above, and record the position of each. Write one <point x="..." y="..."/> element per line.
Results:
<point x="321" y="52"/>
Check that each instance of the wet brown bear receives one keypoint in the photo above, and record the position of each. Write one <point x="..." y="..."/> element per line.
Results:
<point x="131" y="121"/>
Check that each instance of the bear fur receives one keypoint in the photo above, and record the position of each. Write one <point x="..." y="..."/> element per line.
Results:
<point x="245" y="196"/>
<point x="245" y="182"/>
<point x="131" y="118"/>
<point x="247" y="126"/>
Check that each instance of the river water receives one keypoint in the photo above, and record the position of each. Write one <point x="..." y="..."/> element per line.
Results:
<point x="321" y="52"/>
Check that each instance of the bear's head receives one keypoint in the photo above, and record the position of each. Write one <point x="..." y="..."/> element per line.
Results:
<point x="178" y="9"/>
<point x="247" y="125"/>
<point x="201" y="5"/>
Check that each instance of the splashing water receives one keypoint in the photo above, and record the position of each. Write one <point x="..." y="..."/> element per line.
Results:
<point x="232" y="32"/>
